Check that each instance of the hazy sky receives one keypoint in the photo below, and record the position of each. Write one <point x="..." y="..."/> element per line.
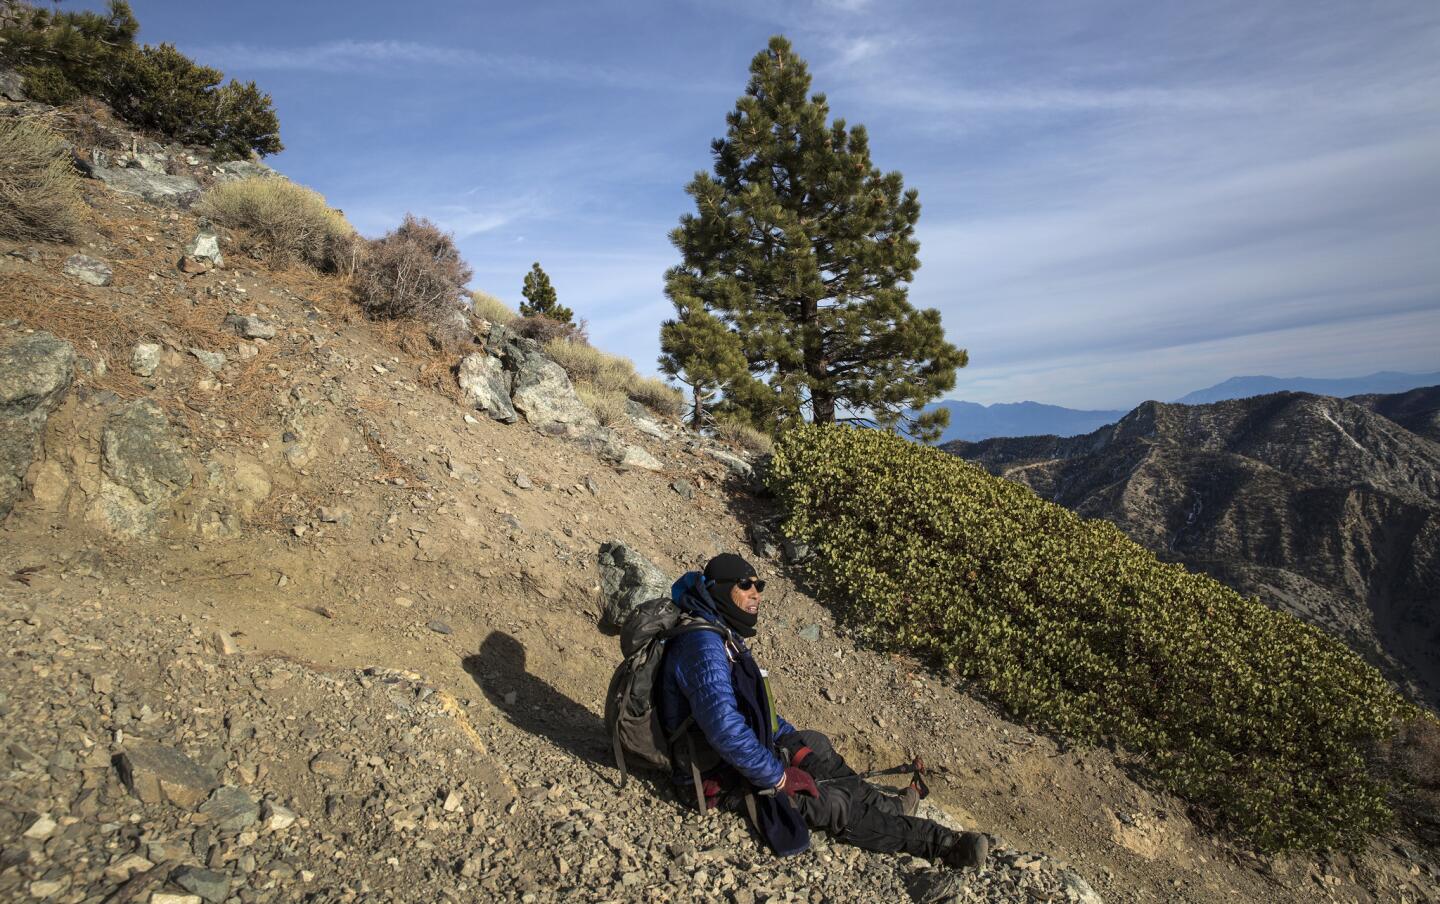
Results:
<point x="1121" y="201"/>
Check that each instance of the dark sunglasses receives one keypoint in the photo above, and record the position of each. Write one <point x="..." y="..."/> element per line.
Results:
<point x="747" y="583"/>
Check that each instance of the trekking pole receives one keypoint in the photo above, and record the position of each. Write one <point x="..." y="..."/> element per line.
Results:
<point x="915" y="766"/>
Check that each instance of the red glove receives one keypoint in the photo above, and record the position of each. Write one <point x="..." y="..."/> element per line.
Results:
<point x="798" y="781"/>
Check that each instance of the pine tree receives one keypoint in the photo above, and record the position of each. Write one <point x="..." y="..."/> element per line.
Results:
<point x="700" y="352"/>
<point x="804" y="249"/>
<point x="540" y="297"/>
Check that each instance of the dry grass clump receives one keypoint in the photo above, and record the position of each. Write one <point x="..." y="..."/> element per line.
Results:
<point x="657" y="395"/>
<point x="285" y="223"/>
<point x="1410" y="762"/>
<point x="609" y="407"/>
<point x="492" y="309"/>
<point x="614" y="376"/>
<point x="590" y="366"/>
<point x="414" y="272"/>
<point x="39" y="191"/>
<point x="744" y="436"/>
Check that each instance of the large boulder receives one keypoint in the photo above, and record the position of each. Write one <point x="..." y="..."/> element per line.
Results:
<point x="157" y="188"/>
<point x="543" y="393"/>
<point x="627" y="579"/>
<point x="144" y="470"/>
<point x="483" y="381"/>
<point x="12" y="85"/>
<point x="35" y="372"/>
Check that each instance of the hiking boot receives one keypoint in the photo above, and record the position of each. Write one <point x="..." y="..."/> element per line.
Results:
<point x="968" y="852"/>
<point x="910" y="801"/>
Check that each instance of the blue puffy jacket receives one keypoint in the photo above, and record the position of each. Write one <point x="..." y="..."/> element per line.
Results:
<point x="695" y="679"/>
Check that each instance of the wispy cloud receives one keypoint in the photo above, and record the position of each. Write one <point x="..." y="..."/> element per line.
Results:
<point x="376" y="56"/>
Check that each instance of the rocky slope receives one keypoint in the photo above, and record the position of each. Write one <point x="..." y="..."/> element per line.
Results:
<point x="292" y="614"/>
<point x="1325" y="507"/>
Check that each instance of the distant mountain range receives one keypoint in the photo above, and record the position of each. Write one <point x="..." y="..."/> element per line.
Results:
<point x="972" y="422"/>
<point x="1325" y="507"/>
<point x="1385" y="381"/>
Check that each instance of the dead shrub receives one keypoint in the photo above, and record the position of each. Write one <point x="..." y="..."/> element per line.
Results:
<point x="1410" y="763"/>
<point x="744" y="436"/>
<point x="413" y="273"/>
<point x="543" y="329"/>
<point x="657" y="395"/>
<point x="491" y="309"/>
<point x="39" y="191"/>
<point x="285" y="223"/>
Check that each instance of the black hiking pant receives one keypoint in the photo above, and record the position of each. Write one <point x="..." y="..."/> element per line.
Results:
<point x="851" y="809"/>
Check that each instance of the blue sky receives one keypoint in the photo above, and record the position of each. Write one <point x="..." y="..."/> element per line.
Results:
<point x="1121" y="201"/>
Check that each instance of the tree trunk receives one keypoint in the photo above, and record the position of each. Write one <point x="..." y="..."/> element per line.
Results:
<point x="697" y="419"/>
<point x="822" y="401"/>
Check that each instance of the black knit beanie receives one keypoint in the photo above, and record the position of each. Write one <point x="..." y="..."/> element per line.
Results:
<point x="722" y="573"/>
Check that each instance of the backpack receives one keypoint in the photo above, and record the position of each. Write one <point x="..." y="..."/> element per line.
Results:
<point x="631" y="717"/>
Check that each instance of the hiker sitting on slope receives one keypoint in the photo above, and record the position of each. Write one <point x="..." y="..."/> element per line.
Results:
<point x="751" y="760"/>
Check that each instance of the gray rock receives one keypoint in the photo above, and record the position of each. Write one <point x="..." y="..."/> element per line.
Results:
<point x="685" y="488"/>
<point x="482" y="380"/>
<point x="739" y="466"/>
<point x="522" y="480"/>
<point x="89" y="269"/>
<point x="206" y="247"/>
<point x="542" y="391"/>
<point x="212" y="361"/>
<point x="330" y="765"/>
<point x="810" y="633"/>
<point x="231" y="809"/>
<point x="334" y="515"/>
<point x="627" y="579"/>
<point x="235" y="170"/>
<point x="145" y="359"/>
<point x="12" y="85"/>
<point x="157" y="188"/>
<point x="636" y="457"/>
<point x="140" y="454"/>
<point x="1078" y="890"/>
<point x="209" y="885"/>
<point x="439" y="627"/>
<point x="797" y="551"/>
<point x="250" y="326"/>
<point x="764" y="541"/>
<point x="35" y="373"/>
<point x="158" y="774"/>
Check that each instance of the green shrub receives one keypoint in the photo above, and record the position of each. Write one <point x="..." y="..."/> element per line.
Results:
<point x="284" y="223"/>
<point x="488" y="307"/>
<point x="66" y="55"/>
<point x="39" y="191"/>
<point x="1247" y="712"/>
<point x="412" y="273"/>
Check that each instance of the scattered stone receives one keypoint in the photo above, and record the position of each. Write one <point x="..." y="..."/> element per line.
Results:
<point x="330" y="765"/>
<point x="48" y="888"/>
<point x="158" y="774"/>
<point x="212" y="361"/>
<point x="810" y="633"/>
<point x="737" y="465"/>
<point x="796" y="551"/>
<point x="522" y="480"/>
<point x="89" y="269"/>
<point x="404" y="602"/>
<point x="250" y="327"/>
<point x="41" y="828"/>
<point x="276" y="818"/>
<point x="145" y="359"/>
<point x="592" y="486"/>
<point x="685" y="488"/>
<point x="121" y="870"/>
<point x="12" y="85"/>
<point x="627" y="579"/>
<point x="453" y="801"/>
<point x="145" y="471"/>
<point x="206" y="247"/>
<point x="225" y="645"/>
<point x="332" y="515"/>
<point x="230" y="809"/>
<point x="764" y="541"/>
<point x="165" y="897"/>
<point x="209" y="885"/>
<point x="439" y="627"/>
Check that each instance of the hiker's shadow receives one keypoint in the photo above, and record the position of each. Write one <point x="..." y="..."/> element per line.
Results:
<point x="533" y="705"/>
